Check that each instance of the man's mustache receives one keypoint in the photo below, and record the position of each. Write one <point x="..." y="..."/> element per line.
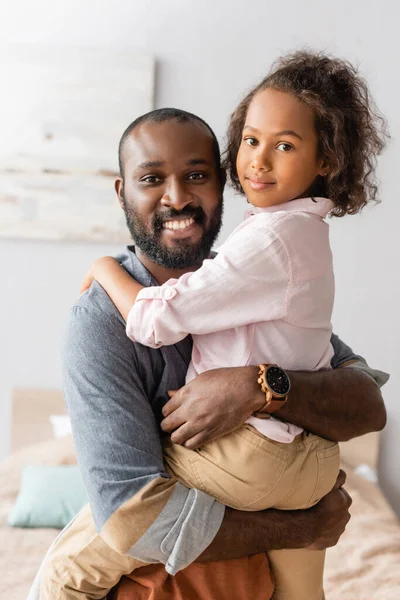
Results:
<point x="195" y="212"/>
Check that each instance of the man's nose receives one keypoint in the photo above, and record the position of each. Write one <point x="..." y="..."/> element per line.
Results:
<point x="176" y="196"/>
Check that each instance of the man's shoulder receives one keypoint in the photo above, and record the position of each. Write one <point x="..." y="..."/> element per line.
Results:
<point x="95" y="326"/>
<point x="95" y="304"/>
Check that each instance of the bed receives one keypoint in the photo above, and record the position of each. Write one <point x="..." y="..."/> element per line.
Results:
<point x="364" y="566"/>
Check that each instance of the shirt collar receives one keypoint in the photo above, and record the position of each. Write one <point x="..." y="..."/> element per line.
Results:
<point x="315" y="206"/>
<point x="132" y="264"/>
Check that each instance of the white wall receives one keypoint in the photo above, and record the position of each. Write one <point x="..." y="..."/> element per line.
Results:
<point x="208" y="54"/>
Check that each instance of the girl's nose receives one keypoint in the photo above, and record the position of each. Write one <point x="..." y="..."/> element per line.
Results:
<point x="261" y="162"/>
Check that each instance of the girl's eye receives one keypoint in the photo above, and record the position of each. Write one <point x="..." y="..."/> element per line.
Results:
<point x="283" y="147"/>
<point x="250" y="141"/>
<point x="196" y="176"/>
<point x="151" y="179"/>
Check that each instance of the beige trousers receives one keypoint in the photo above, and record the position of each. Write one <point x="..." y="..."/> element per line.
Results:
<point x="247" y="471"/>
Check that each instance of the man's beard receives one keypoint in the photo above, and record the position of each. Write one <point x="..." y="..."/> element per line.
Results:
<point x="184" y="253"/>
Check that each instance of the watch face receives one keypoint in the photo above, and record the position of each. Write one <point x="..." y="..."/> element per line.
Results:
<point x="278" y="381"/>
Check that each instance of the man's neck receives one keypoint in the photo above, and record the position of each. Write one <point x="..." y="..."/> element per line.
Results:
<point x="159" y="273"/>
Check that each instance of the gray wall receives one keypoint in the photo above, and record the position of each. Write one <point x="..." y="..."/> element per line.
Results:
<point x="208" y="54"/>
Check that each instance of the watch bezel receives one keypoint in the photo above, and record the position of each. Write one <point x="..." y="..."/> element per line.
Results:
<point x="273" y="392"/>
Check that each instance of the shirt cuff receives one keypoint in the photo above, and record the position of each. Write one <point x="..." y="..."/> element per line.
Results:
<point x="380" y="377"/>
<point x="182" y="531"/>
<point x="163" y="292"/>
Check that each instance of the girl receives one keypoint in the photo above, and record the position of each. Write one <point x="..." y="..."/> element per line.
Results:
<point x="301" y="145"/>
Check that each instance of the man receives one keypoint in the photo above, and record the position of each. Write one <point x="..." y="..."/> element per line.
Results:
<point x="171" y="188"/>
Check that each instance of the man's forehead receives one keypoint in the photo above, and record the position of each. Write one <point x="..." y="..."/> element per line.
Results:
<point x="159" y="142"/>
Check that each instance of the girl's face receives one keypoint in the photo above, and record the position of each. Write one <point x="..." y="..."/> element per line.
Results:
<point x="278" y="156"/>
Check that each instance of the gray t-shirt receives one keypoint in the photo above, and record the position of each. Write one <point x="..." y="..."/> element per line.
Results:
<point x="114" y="390"/>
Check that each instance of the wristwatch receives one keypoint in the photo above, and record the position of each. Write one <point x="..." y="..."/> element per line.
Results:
<point x="275" y="384"/>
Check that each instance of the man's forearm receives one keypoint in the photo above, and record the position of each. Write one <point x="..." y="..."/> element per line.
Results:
<point x="246" y="533"/>
<point x="339" y="404"/>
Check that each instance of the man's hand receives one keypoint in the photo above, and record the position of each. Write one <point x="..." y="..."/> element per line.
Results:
<point x="327" y="520"/>
<point x="211" y="405"/>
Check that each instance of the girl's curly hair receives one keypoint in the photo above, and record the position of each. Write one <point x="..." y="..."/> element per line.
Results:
<point x="350" y="130"/>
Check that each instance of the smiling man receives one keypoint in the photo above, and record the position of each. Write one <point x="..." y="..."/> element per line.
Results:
<point x="140" y="518"/>
<point x="175" y="229"/>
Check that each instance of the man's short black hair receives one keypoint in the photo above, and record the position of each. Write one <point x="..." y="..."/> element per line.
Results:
<point x="161" y="115"/>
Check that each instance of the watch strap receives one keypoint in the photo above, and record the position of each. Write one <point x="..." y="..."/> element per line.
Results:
<point x="272" y="402"/>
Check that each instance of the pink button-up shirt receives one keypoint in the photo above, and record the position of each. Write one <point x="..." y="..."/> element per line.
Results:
<point x="267" y="297"/>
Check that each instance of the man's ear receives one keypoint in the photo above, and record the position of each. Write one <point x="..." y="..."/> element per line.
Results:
<point x="119" y="188"/>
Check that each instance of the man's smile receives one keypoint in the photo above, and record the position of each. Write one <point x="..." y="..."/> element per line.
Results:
<point x="182" y="223"/>
<point x="186" y="227"/>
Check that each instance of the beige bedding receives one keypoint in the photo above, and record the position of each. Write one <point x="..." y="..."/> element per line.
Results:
<point x="364" y="566"/>
<point x="21" y="550"/>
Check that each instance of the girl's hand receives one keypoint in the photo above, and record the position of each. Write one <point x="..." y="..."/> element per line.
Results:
<point x="115" y="281"/>
<point x="99" y="266"/>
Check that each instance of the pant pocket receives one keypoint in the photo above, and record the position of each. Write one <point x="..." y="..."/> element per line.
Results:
<point x="328" y="465"/>
<point x="240" y="469"/>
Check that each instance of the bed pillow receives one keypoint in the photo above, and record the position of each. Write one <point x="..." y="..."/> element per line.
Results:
<point x="48" y="497"/>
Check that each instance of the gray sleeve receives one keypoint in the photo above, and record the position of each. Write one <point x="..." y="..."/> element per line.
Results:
<point x="119" y="448"/>
<point x="343" y="354"/>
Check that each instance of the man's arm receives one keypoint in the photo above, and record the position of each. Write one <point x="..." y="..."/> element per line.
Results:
<point x="338" y="404"/>
<point x="317" y="528"/>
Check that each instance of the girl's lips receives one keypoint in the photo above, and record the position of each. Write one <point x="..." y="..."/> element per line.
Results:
<point x="260" y="185"/>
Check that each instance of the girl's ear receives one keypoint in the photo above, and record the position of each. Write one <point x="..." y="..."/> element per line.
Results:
<point x="324" y="170"/>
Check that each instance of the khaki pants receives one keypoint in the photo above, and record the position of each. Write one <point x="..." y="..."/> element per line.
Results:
<point x="247" y="471"/>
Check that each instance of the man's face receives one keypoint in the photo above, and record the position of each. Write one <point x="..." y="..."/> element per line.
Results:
<point x="172" y="192"/>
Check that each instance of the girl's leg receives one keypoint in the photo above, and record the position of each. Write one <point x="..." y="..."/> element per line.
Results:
<point x="243" y="470"/>
<point x="298" y="574"/>
<point x="247" y="471"/>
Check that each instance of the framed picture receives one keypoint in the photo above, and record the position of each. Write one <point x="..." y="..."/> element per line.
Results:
<point x="63" y="113"/>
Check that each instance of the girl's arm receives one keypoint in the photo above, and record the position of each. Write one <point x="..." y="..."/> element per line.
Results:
<point x="118" y="284"/>
<point x="247" y="282"/>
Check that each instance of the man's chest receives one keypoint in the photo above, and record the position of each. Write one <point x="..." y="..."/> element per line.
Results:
<point x="163" y="370"/>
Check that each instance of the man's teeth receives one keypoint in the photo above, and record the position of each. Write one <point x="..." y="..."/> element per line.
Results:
<point x="181" y="224"/>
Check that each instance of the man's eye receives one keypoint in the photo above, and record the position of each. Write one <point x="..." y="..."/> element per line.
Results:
<point x="283" y="147"/>
<point x="250" y="141"/>
<point x="196" y="176"/>
<point x="151" y="179"/>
